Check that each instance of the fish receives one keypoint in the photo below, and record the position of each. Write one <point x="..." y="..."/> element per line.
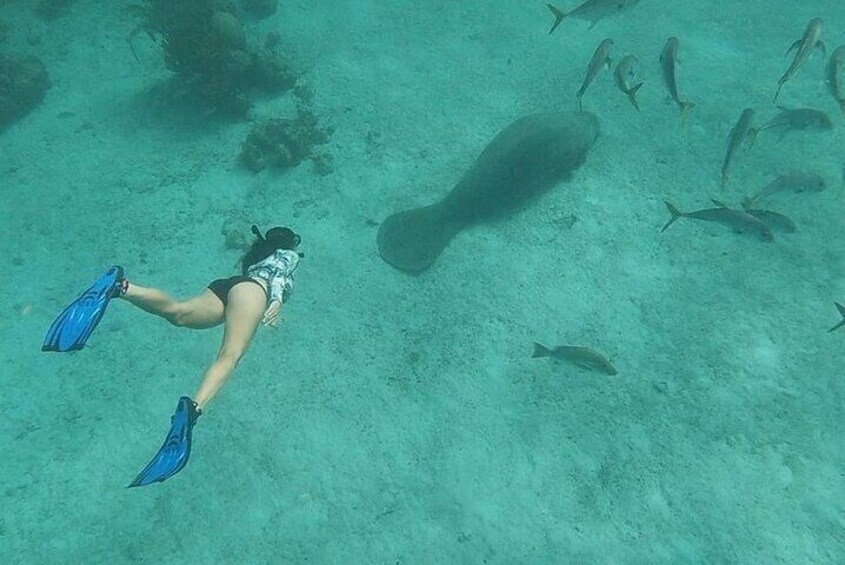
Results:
<point x="669" y="62"/>
<point x="805" y="46"/>
<point x="591" y="10"/>
<point x="834" y="65"/>
<point x="773" y="220"/>
<point x="795" y="181"/>
<point x="624" y="75"/>
<point x="743" y="129"/>
<point x="739" y="221"/>
<point x="524" y="160"/>
<point x="600" y="59"/>
<point x="583" y="357"/>
<point x="841" y="310"/>
<point x="797" y="119"/>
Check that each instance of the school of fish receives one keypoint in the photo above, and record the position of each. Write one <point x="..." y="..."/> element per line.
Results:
<point x="747" y="218"/>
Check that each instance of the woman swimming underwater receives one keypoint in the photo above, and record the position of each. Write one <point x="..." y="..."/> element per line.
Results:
<point x="240" y="303"/>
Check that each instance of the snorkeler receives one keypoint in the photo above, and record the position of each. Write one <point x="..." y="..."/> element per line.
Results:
<point x="241" y="303"/>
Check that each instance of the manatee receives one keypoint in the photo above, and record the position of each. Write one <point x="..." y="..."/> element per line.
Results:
<point x="524" y="160"/>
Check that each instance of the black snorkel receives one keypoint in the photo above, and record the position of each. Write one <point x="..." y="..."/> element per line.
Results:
<point x="284" y="238"/>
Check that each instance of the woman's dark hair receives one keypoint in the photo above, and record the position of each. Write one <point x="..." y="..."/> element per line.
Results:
<point x="265" y="245"/>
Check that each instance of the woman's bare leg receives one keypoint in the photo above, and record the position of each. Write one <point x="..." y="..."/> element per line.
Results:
<point x="201" y="312"/>
<point x="247" y="302"/>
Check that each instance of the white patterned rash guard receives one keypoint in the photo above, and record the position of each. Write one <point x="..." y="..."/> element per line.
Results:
<point x="277" y="271"/>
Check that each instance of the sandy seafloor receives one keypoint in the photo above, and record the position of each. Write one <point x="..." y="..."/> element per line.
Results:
<point x="400" y="419"/>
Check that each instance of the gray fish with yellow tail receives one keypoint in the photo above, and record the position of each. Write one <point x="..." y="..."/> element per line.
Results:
<point x="625" y="76"/>
<point x="743" y="130"/>
<point x="805" y="46"/>
<point x="669" y="64"/>
<point x="738" y="221"/>
<point x="591" y="10"/>
<point x="600" y="60"/>
<point x="833" y="76"/>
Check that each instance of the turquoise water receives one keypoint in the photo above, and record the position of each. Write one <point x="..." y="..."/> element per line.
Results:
<point x="401" y="419"/>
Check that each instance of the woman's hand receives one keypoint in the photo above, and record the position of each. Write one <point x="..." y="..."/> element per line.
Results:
<point x="271" y="315"/>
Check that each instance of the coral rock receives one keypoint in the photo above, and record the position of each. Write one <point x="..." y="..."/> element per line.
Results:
<point x="228" y="29"/>
<point x="280" y="143"/>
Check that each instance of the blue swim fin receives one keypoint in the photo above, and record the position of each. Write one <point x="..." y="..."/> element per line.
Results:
<point x="72" y="328"/>
<point x="174" y="453"/>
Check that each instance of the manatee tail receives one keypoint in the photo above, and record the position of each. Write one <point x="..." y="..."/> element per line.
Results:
<point x="842" y="321"/>
<point x="540" y="351"/>
<point x="558" y="14"/>
<point x="412" y="240"/>
<point x="675" y="215"/>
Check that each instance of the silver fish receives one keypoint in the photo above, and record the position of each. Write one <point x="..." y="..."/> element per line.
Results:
<point x="669" y="62"/>
<point x="798" y="119"/>
<point x="773" y="220"/>
<point x="795" y="181"/>
<point x="743" y="129"/>
<point x="809" y="41"/>
<point x="591" y="10"/>
<point x="624" y="75"/>
<point x="834" y="66"/>
<point x="578" y="355"/>
<point x="601" y="59"/>
<point x="739" y="221"/>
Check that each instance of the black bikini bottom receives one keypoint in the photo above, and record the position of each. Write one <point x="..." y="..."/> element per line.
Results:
<point x="221" y="287"/>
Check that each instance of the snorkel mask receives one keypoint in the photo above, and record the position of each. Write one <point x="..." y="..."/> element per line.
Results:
<point x="280" y="238"/>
